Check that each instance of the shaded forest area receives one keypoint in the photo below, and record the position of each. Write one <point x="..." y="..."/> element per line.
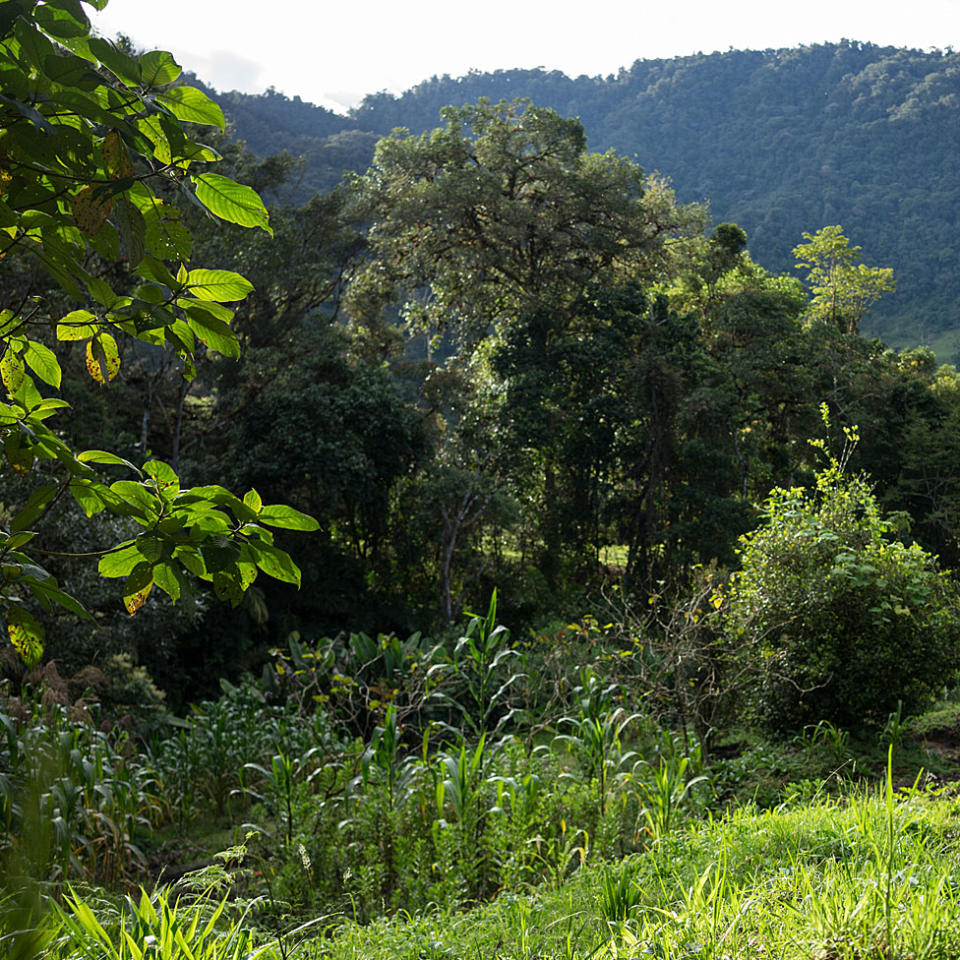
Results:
<point x="496" y="360"/>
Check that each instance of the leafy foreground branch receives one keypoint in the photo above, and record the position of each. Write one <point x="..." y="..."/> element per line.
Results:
<point x="96" y="148"/>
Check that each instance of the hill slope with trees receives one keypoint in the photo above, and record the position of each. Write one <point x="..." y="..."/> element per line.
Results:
<point x="778" y="141"/>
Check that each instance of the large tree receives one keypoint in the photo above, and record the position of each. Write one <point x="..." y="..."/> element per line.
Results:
<point x="500" y="232"/>
<point x="502" y="212"/>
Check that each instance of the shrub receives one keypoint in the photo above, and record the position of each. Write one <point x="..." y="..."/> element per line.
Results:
<point x="841" y="618"/>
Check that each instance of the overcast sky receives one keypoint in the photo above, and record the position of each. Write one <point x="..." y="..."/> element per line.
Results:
<point x="334" y="53"/>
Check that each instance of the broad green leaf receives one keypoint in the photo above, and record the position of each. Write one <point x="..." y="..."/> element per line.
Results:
<point x="84" y="493"/>
<point x="150" y="127"/>
<point x="255" y="530"/>
<point x="19" y="455"/>
<point x="46" y="591"/>
<point x="47" y="408"/>
<point x="136" y="494"/>
<point x="216" y="494"/>
<point x="107" y="242"/>
<point x="275" y="562"/>
<point x="104" y="456"/>
<point x="247" y="571"/>
<point x="213" y="332"/>
<point x="168" y="578"/>
<point x="70" y="71"/>
<point x="168" y="483"/>
<point x="280" y="515"/>
<point x="123" y="67"/>
<point x="35" y="505"/>
<point x="158" y="68"/>
<point x="26" y="635"/>
<point x="205" y="524"/>
<point x="18" y="540"/>
<point x="102" y="292"/>
<point x="59" y="23"/>
<point x="8" y="321"/>
<point x="133" y="231"/>
<point x="27" y="393"/>
<point x="220" y="553"/>
<point x="227" y="586"/>
<point x="232" y="201"/>
<point x="191" y="558"/>
<point x="189" y="103"/>
<point x="218" y="285"/>
<point x="120" y="561"/>
<point x="252" y="499"/>
<point x="77" y="325"/>
<point x="43" y="362"/>
<point x="152" y="269"/>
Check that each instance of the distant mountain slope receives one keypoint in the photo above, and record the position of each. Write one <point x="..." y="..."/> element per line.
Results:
<point x="780" y="141"/>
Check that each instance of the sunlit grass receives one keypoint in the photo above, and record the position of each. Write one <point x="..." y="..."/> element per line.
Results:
<point x="851" y="877"/>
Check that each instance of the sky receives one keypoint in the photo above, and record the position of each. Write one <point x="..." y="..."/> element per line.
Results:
<point x="334" y="53"/>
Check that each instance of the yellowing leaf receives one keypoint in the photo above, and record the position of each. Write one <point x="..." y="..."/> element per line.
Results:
<point x="135" y="601"/>
<point x="89" y="211"/>
<point x="11" y="371"/>
<point x="116" y="157"/>
<point x="138" y="587"/>
<point x="103" y="358"/>
<point x="26" y="635"/>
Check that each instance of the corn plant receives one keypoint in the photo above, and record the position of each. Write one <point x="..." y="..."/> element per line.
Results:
<point x="280" y="782"/>
<point x="595" y="734"/>
<point x="558" y="851"/>
<point x="93" y="793"/>
<point x="479" y="700"/>
<point x="388" y="779"/>
<point x="664" y="796"/>
<point x="460" y="808"/>
<point x="383" y="760"/>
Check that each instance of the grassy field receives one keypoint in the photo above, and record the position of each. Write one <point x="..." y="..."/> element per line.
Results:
<point x="871" y="872"/>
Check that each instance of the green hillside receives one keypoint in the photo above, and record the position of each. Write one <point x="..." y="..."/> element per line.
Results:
<point x="779" y="141"/>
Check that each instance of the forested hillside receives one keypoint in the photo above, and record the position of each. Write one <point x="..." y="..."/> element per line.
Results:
<point x="779" y="141"/>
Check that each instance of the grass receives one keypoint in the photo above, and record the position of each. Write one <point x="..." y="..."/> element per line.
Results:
<point x="821" y="846"/>
<point x="872" y="873"/>
<point x="944" y="343"/>
<point x="867" y="870"/>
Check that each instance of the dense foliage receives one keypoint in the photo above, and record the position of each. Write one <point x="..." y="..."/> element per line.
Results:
<point x="502" y="373"/>
<point x="849" y="623"/>
<point x="92" y="149"/>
